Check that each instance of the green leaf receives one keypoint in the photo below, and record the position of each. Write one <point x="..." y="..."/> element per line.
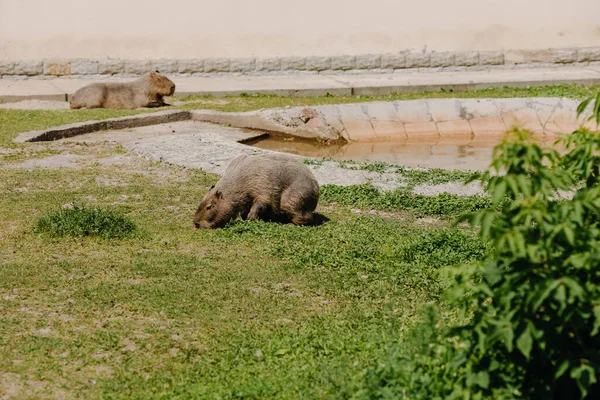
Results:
<point x="561" y="369"/>
<point x="570" y="235"/>
<point x="585" y="376"/>
<point x="544" y="292"/>
<point x="492" y="273"/>
<point x="509" y="338"/>
<point x="596" y="311"/>
<point x="525" y="343"/>
<point x="486" y="224"/>
<point x="597" y="109"/>
<point x="575" y="289"/>
<point x="483" y="379"/>
<point x="583" y="105"/>
<point x="499" y="192"/>
<point x="561" y="297"/>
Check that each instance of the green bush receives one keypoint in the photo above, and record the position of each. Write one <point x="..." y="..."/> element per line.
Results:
<point x="530" y="316"/>
<point x="79" y="221"/>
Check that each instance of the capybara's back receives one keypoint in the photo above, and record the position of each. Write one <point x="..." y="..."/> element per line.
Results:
<point x="147" y="91"/>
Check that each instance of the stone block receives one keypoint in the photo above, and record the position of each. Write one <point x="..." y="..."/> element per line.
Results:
<point x="318" y="63"/>
<point x="293" y="64"/>
<point x="475" y="108"/>
<point x="111" y="67"/>
<point x="507" y="105"/>
<point x="544" y="108"/>
<point x="243" y="65"/>
<point x="343" y="63"/>
<point x="493" y="125"/>
<point x="268" y="64"/>
<point x="417" y="60"/>
<point x="454" y="128"/>
<point x="389" y="129"/>
<point x="421" y="129"/>
<point x="57" y="68"/>
<point x="216" y="65"/>
<point x="466" y="58"/>
<point x="137" y="67"/>
<point x="190" y="66"/>
<point x="359" y="130"/>
<point x="380" y="110"/>
<point x="84" y="67"/>
<point x="564" y="56"/>
<point x="412" y="111"/>
<point x="588" y="54"/>
<point x="368" y="61"/>
<point x="7" y="67"/>
<point x="491" y="58"/>
<point x="445" y="109"/>
<point x="351" y="112"/>
<point x="527" y="56"/>
<point x="443" y="59"/>
<point x="562" y="121"/>
<point x="524" y="118"/>
<point x="165" y="66"/>
<point x="394" y="61"/>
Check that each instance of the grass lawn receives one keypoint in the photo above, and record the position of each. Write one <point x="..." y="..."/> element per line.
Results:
<point x="255" y="310"/>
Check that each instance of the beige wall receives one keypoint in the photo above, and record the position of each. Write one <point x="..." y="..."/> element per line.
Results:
<point x="143" y="29"/>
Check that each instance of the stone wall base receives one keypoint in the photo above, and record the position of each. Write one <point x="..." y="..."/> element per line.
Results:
<point x="345" y="64"/>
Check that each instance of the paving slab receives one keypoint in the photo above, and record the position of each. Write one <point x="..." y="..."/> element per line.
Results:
<point x="321" y="84"/>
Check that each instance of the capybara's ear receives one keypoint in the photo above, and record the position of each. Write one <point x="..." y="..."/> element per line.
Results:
<point x="218" y="194"/>
<point x="157" y="71"/>
<point x="211" y="187"/>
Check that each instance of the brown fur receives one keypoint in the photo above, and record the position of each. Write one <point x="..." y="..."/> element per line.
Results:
<point x="269" y="187"/>
<point x="146" y="91"/>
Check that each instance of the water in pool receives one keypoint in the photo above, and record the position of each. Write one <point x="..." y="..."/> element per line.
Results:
<point x="464" y="153"/>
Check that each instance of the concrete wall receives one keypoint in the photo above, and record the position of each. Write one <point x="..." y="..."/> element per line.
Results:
<point x="182" y="29"/>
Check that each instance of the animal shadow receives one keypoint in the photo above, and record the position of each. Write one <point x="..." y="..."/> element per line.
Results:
<point x="318" y="219"/>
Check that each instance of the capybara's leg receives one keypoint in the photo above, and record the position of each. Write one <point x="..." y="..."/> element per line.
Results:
<point x="302" y="219"/>
<point x="257" y="211"/>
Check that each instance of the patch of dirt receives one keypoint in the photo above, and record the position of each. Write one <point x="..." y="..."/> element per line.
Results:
<point x="51" y="162"/>
<point x="216" y="102"/>
<point x="11" y="386"/>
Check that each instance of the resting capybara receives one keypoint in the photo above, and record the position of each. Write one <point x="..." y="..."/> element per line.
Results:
<point x="269" y="187"/>
<point x="147" y="91"/>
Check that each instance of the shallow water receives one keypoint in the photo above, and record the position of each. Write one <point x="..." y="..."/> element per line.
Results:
<point x="463" y="152"/>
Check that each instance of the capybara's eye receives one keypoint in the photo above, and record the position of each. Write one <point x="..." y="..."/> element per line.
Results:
<point x="209" y="207"/>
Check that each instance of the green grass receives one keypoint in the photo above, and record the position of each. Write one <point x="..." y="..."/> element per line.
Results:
<point x="255" y="102"/>
<point x="412" y="176"/>
<point x="79" y="220"/>
<point x="367" y="196"/>
<point x="13" y="122"/>
<point x="255" y="310"/>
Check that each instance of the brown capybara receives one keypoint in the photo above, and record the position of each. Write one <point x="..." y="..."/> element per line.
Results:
<point x="269" y="187"/>
<point x="147" y="91"/>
